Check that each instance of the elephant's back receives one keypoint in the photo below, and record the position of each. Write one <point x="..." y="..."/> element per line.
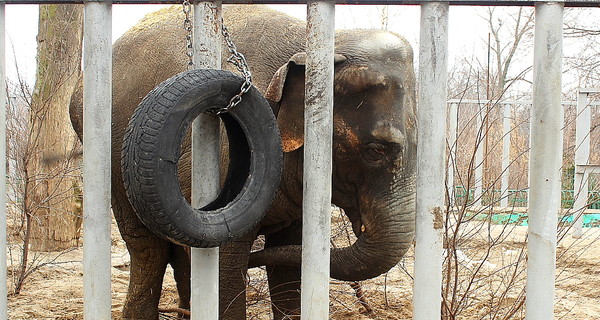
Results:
<point x="266" y="37"/>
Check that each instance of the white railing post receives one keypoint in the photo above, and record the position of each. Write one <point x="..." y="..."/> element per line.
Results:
<point x="545" y="160"/>
<point x="318" y="135"/>
<point x="452" y="146"/>
<point x="3" y="103"/>
<point x="97" y="101"/>
<point x="582" y="154"/>
<point x="205" y="163"/>
<point x="478" y="183"/>
<point x="433" y="65"/>
<point x="506" y="130"/>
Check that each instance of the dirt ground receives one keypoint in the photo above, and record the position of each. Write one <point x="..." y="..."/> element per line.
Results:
<point x="55" y="290"/>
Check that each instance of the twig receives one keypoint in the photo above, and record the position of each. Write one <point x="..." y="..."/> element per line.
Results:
<point x="360" y="295"/>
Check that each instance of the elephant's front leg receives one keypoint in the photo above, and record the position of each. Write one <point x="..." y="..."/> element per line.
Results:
<point x="284" y="282"/>
<point x="149" y="258"/>
<point x="232" y="277"/>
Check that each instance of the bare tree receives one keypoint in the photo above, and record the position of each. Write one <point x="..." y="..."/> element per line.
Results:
<point x="582" y="35"/>
<point x="518" y="29"/>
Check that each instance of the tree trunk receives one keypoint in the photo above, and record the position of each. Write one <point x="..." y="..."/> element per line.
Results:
<point x="53" y="193"/>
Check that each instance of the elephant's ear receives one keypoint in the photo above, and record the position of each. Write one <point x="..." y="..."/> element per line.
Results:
<point x="286" y="93"/>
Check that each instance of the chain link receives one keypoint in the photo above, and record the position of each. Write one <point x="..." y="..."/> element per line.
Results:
<point x="237" y="59"/>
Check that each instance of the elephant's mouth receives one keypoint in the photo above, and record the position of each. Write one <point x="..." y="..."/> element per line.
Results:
<point x="354" y="216"/>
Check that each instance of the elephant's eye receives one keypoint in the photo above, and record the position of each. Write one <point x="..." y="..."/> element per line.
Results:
<point x="375" y="151"/>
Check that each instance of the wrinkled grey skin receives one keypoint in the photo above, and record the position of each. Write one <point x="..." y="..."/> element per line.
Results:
<point x="373" y="164"/>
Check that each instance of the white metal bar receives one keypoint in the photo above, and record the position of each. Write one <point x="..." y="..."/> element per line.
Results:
<point x="505" y="155"/>
<point x="580" y="190"/>
<point x="582" y="130"/>
<point x="568" y="3"/>
<point x="582" y="155"/>
<point x="205" y="163"/>
<point x="522" y="102"/>
<point x="318" y="133"/>
<point x="433" y="65"/>
<point x="97" y="99"/>
<point x="452" y="134"/>
<point x="3" y="103"/>
<point x="589" y="90"/>
<point x="545" y="160"/>
<point x="479" y="161"/>
<point x="588" y="168"/>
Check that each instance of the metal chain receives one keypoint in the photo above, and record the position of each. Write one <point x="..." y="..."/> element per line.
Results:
<point x="187" y="25"/>
<point x="237" y="59"/>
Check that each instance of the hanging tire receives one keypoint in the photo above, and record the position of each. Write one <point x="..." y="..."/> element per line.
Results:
<point x="152" y="148"/>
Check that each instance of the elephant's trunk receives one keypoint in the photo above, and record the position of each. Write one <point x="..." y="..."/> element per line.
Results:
<point x="388" y="231"/>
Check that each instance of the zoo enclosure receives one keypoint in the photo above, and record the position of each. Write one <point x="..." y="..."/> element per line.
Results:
<point x="544" y="168"/>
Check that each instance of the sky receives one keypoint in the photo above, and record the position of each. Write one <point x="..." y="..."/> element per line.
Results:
<point x="467" y="29"/>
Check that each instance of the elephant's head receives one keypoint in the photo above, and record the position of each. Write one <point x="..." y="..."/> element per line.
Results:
<point x="374" y="147"/>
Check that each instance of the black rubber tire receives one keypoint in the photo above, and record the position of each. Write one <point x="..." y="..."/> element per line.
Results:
<point x="152" y="148"/>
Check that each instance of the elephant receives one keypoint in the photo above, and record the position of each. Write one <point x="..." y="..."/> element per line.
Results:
<point x="374" y="154"/>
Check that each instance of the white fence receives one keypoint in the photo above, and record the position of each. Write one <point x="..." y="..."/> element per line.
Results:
<point x="544" y="164"/>
<point x="583" y="167"/>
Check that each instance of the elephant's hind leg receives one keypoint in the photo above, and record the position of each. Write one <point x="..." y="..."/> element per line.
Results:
<point x="180" y="261"/>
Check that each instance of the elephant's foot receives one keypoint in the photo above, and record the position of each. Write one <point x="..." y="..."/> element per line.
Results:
<point x="140" y="307"/>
